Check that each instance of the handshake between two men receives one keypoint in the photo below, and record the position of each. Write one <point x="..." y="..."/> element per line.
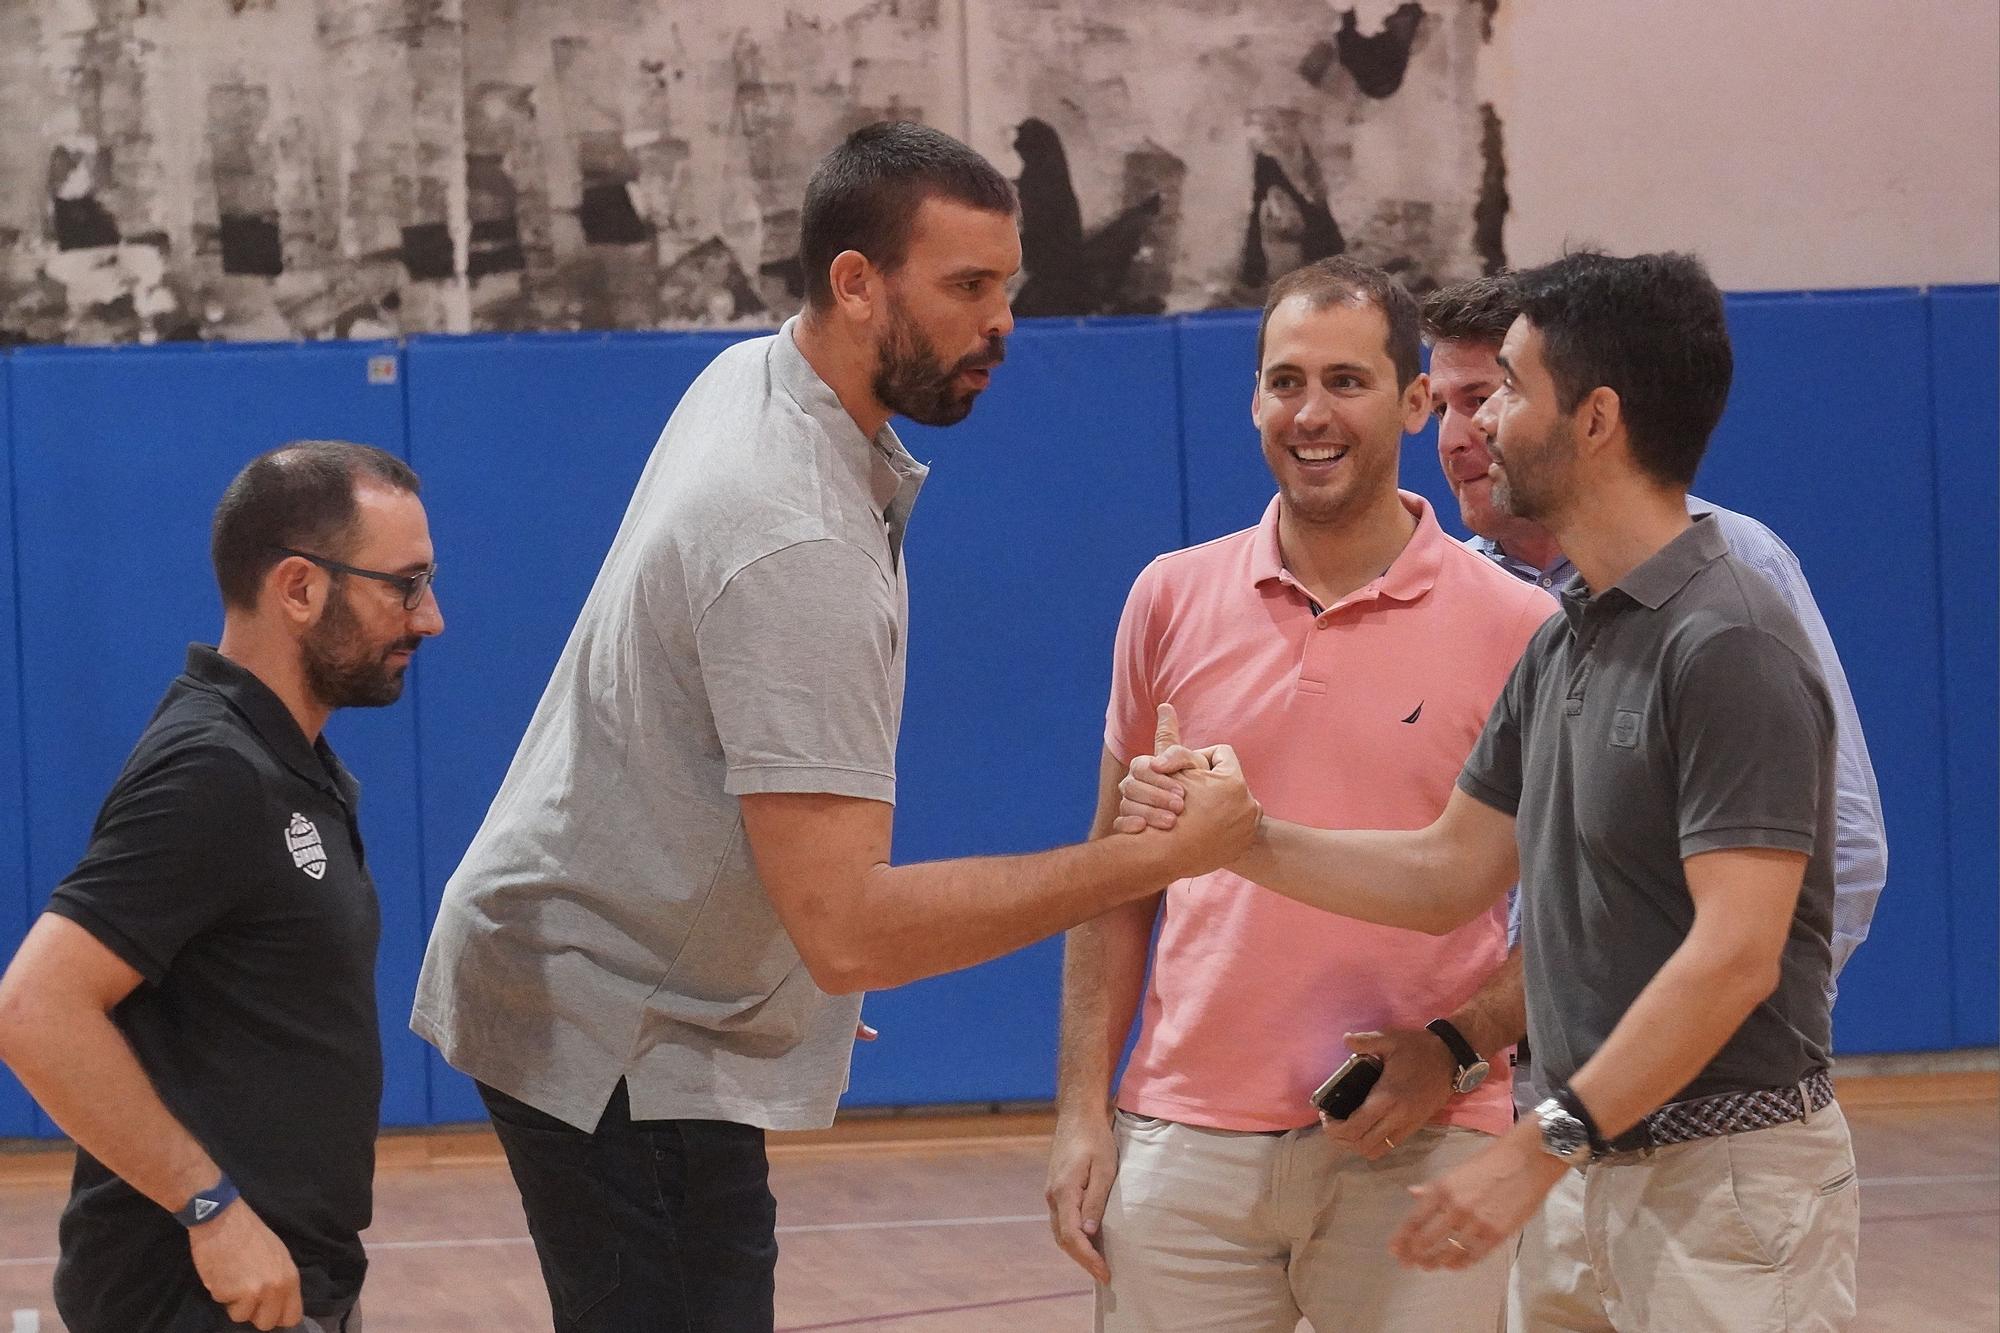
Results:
<point x="1393" y="1130"/>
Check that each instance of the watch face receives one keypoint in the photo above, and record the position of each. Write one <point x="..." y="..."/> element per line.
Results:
<point x="1472" y="1076"/>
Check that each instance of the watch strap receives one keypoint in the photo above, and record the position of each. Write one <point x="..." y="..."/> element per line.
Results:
<point x="207" y="1203"/>
<point x="1461" y="1049"/>
<point x="1566" y="1097"/>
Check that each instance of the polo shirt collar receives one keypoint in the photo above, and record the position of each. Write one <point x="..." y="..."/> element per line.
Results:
<point x="1658" y="578"/>
<point x="1413" y="573"/>
<point x="893" y="474"/>
<point x="274" y="724"/>
<point x="1653" y="583"/>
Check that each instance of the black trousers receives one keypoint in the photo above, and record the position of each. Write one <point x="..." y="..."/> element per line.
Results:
<point x="645" y="1226"/>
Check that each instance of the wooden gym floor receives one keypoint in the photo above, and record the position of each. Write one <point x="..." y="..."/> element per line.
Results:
<point x="936" y="1225"/>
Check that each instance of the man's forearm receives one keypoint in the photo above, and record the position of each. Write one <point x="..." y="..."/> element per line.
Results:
<point x="1686" y="1013"/>
<point x="918" y="920"/>
<point x="1497" y="1015"/>
<point x="1104" y="969"/>
<point x="79" y="1067"/>
<point x="1393" y="878"/>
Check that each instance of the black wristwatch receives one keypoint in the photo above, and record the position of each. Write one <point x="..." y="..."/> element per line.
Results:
<point x="1471" y="1069"/>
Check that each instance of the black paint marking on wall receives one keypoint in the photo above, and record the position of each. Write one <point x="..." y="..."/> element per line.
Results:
<point x="606" y="210"/>
<point x="1318" y="64"/>
<point x="692" y="281"/>
<point x="1489" y="214"/>
<point x="252" y="246"/>
<point x="1312" y="228"/>
<point x="83" y="224"/>
<point x="492" y="204"/>
<point x="427" y="250"/>
<point x="1487" y="8"/>
<point x="1378" y="62"/>
<point x="243" y="168"/>
<point x="1070" y="273"/>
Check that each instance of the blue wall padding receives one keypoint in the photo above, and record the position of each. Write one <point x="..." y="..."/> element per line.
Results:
<point x="1825" y="440"/>
<point x="1228" y="485"/>
<point x="1099" y="446"/>
<point x="17" y="1113"/>
<point x="1040" y="510"/>
<point x="529" y="449"/>
<point x="119" y="458"/>
<point x="1965" y="341"/>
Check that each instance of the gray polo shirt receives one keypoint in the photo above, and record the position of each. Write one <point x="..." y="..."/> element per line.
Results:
<point x="745" y="634"/>
<point x="1680" y="712"/>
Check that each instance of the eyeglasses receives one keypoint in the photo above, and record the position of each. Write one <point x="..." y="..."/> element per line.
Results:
<point x="413" y="586"/>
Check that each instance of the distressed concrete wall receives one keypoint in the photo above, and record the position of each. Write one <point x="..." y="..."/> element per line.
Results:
<point x="271" y="169"/>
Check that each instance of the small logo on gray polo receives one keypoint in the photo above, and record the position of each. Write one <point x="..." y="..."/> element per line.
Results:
<point x="1625" y="728"/>
<point x="302" y="840"/>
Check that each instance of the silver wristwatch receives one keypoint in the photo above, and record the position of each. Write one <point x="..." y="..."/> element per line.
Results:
<point x="1563" y="1135"/>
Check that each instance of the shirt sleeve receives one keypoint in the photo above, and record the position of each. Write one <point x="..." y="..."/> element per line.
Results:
<point x="801" y="660"/>
<point x="1492" y="772"/>
<point x="164" y="863"/>
<point x="1752" y="733"/>
<point x="1130" y="715"/>
<point x="1861" y="845"/>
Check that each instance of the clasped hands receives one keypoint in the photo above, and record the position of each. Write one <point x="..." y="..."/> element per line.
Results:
<point x="1199" y="797"/>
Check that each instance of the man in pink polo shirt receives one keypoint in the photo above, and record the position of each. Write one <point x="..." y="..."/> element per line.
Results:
<point x="1349" y="650"/>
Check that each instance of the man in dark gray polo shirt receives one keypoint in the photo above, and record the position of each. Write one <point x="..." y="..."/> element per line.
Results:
<point x="1659" y="771"/>
<point x="655" y="946"/>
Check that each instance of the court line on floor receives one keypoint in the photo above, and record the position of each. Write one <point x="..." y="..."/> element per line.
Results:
<point x="916" y="1223"/>
<point x="471" y="1242"/>
<point x="858" y="1320"/>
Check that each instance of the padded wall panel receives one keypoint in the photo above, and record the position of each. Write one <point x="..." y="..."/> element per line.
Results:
<point x="1827" y="440"/>
<point x="1965" y="360"/>
<point x="529" y="448"/>
<point x="1040" y="510"/>
<point x="120" y="457"/>
<point x="1228" y="485"/>
<point x="17" y="1113"/>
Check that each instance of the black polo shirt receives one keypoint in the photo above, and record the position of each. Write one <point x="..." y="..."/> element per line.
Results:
<point x="226" y="867"/>
<point x="1680" y="712"/>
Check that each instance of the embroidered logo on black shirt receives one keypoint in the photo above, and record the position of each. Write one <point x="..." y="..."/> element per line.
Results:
<point x="308" y="853"/>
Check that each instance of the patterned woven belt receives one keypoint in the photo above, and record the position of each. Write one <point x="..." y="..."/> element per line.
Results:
<point x="1726" y="1113"/>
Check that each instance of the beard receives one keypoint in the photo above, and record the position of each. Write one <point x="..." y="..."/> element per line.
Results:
<point x="912" y="380"/>
<point x="1539" y="490"/>
<point x="344" y="669"/>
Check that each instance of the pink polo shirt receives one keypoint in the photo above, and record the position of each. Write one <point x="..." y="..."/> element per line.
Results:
<point x="1359" y="717"/>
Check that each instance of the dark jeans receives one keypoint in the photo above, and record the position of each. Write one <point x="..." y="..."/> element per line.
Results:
<point x="645" y="1226"/>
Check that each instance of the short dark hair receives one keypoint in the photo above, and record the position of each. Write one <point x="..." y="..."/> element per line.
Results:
<point x="864" y="196"/>
<point x="1651" y="329"/>
<point x="300" y="495"/>
<point x="1325" y="282"/>
<point x="1478" y="311"/>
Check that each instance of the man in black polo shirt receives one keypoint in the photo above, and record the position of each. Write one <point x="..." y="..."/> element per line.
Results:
<point x="1659" y="770"/>
<point x="196" y="1007"/>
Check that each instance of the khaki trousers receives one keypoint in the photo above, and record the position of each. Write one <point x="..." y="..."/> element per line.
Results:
<point x="1744" y="1233"/>
<point x="1224" y="1232"/>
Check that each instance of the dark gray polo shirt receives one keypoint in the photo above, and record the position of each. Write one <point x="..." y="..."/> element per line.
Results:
<point x="746" y="634"/>
<point x="1680" y="712"/>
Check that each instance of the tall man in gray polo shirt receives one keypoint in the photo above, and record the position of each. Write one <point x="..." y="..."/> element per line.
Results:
<point x="1659" y="772"/>
<point x="654" y="948"/>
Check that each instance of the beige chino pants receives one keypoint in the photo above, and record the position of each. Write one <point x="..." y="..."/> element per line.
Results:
<point x="1224" y="1232"/>
<point x="1746" y="1233"/>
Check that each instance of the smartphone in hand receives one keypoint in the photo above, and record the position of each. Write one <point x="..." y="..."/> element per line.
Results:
<point x="1340" y="1096"/>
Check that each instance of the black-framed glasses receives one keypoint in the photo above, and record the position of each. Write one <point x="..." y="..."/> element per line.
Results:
<point x="413" y="586"/>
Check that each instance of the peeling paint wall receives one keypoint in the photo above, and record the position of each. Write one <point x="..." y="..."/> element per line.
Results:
<point x="276" y="169"/>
